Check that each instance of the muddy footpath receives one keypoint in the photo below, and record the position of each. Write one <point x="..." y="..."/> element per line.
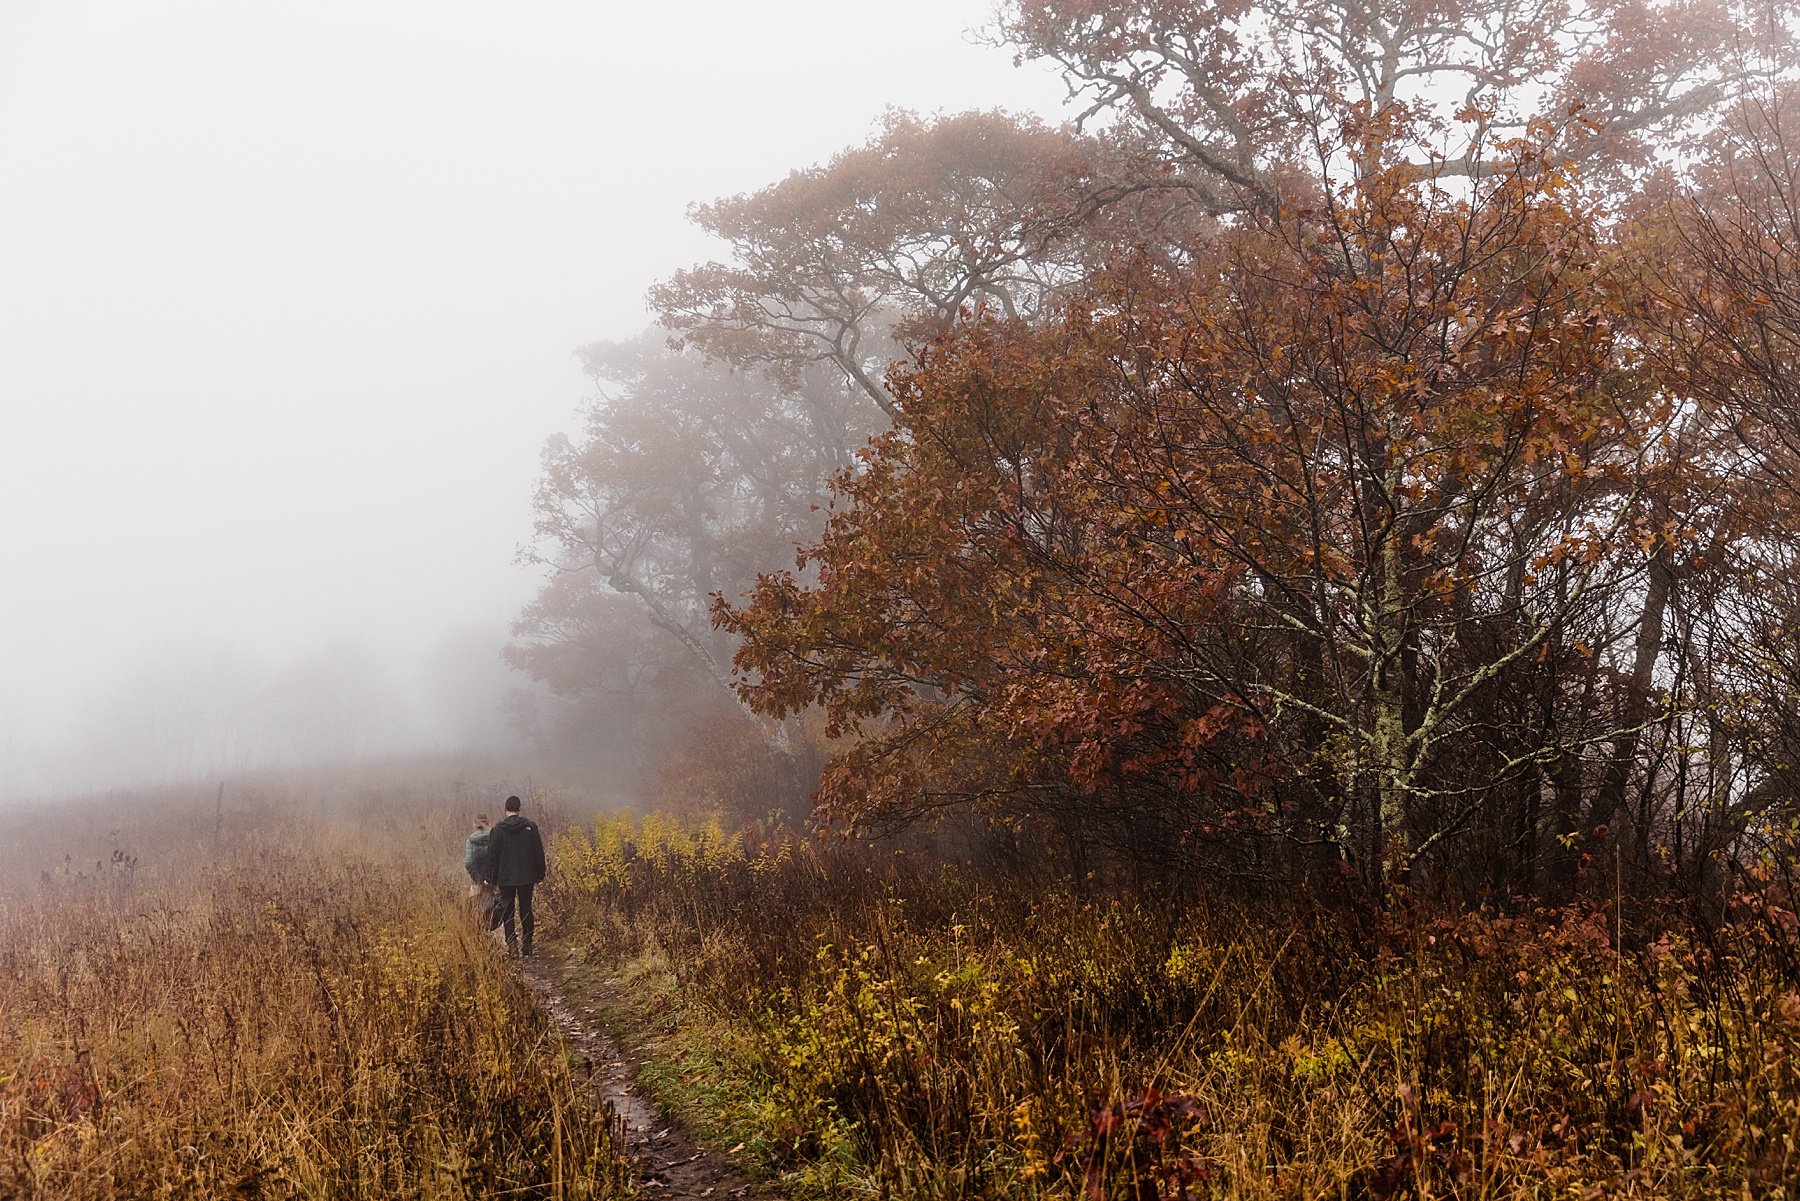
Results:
<point x="666" y="1160"/>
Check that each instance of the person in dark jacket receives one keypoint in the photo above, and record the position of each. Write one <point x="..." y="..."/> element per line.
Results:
<point x="515" y="864"/>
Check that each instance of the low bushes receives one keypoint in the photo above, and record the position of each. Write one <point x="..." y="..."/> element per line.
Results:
<point x="925" y="1027"/>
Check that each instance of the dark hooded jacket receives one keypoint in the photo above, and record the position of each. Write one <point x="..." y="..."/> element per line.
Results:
<point x="515" y="852"/>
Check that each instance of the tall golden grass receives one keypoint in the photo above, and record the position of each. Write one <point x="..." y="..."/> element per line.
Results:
<point x="270" y="1001"/>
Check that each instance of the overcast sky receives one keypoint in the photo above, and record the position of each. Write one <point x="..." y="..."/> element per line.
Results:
<point x="288" y="291"/>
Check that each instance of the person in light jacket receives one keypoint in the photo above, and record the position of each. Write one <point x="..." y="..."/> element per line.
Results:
<point x="515" y="864"/>
<point x="475" y="854"/>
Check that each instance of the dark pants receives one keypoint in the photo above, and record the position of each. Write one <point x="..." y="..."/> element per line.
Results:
<point x="503" y="912"/>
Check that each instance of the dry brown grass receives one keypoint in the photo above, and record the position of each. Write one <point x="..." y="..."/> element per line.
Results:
<point x="270" y="1002"/>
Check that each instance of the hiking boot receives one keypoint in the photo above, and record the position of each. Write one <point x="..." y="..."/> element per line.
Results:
<point x="526" y="951"/>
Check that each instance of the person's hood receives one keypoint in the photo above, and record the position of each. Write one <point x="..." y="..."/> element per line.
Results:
<point x="513" y="821"/>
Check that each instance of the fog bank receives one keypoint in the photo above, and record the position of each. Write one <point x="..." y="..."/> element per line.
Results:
<point x="288" y="296"/>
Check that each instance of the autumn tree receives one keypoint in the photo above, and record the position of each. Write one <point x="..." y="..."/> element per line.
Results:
<point x="1355" y="514"/>
<point x="1277" y="531"/>
<point x="895" y="240"/>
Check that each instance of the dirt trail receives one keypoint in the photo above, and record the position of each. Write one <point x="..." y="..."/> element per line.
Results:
<point x="668" y="1162"/>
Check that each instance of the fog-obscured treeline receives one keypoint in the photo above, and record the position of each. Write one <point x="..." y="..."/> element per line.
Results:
<point x="195" y="711"/>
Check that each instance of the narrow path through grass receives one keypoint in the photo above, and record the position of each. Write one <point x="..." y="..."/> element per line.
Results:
<point x="669" y="1160"/>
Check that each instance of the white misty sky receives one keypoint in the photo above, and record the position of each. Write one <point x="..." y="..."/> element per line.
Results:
<point x="288" y="290"/>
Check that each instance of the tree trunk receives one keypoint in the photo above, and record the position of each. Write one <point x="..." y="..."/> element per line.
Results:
<point x="1391" y="752"/>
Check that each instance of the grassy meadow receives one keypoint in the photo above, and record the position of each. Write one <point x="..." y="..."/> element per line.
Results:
<point x="267" y="997"/>
<point x="873" y="1023"/>
<point x="283" y="998"/>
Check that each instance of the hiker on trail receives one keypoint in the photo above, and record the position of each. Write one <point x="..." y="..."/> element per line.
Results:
<point x="475" y="855"/>
<point x="515" y="863"/>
